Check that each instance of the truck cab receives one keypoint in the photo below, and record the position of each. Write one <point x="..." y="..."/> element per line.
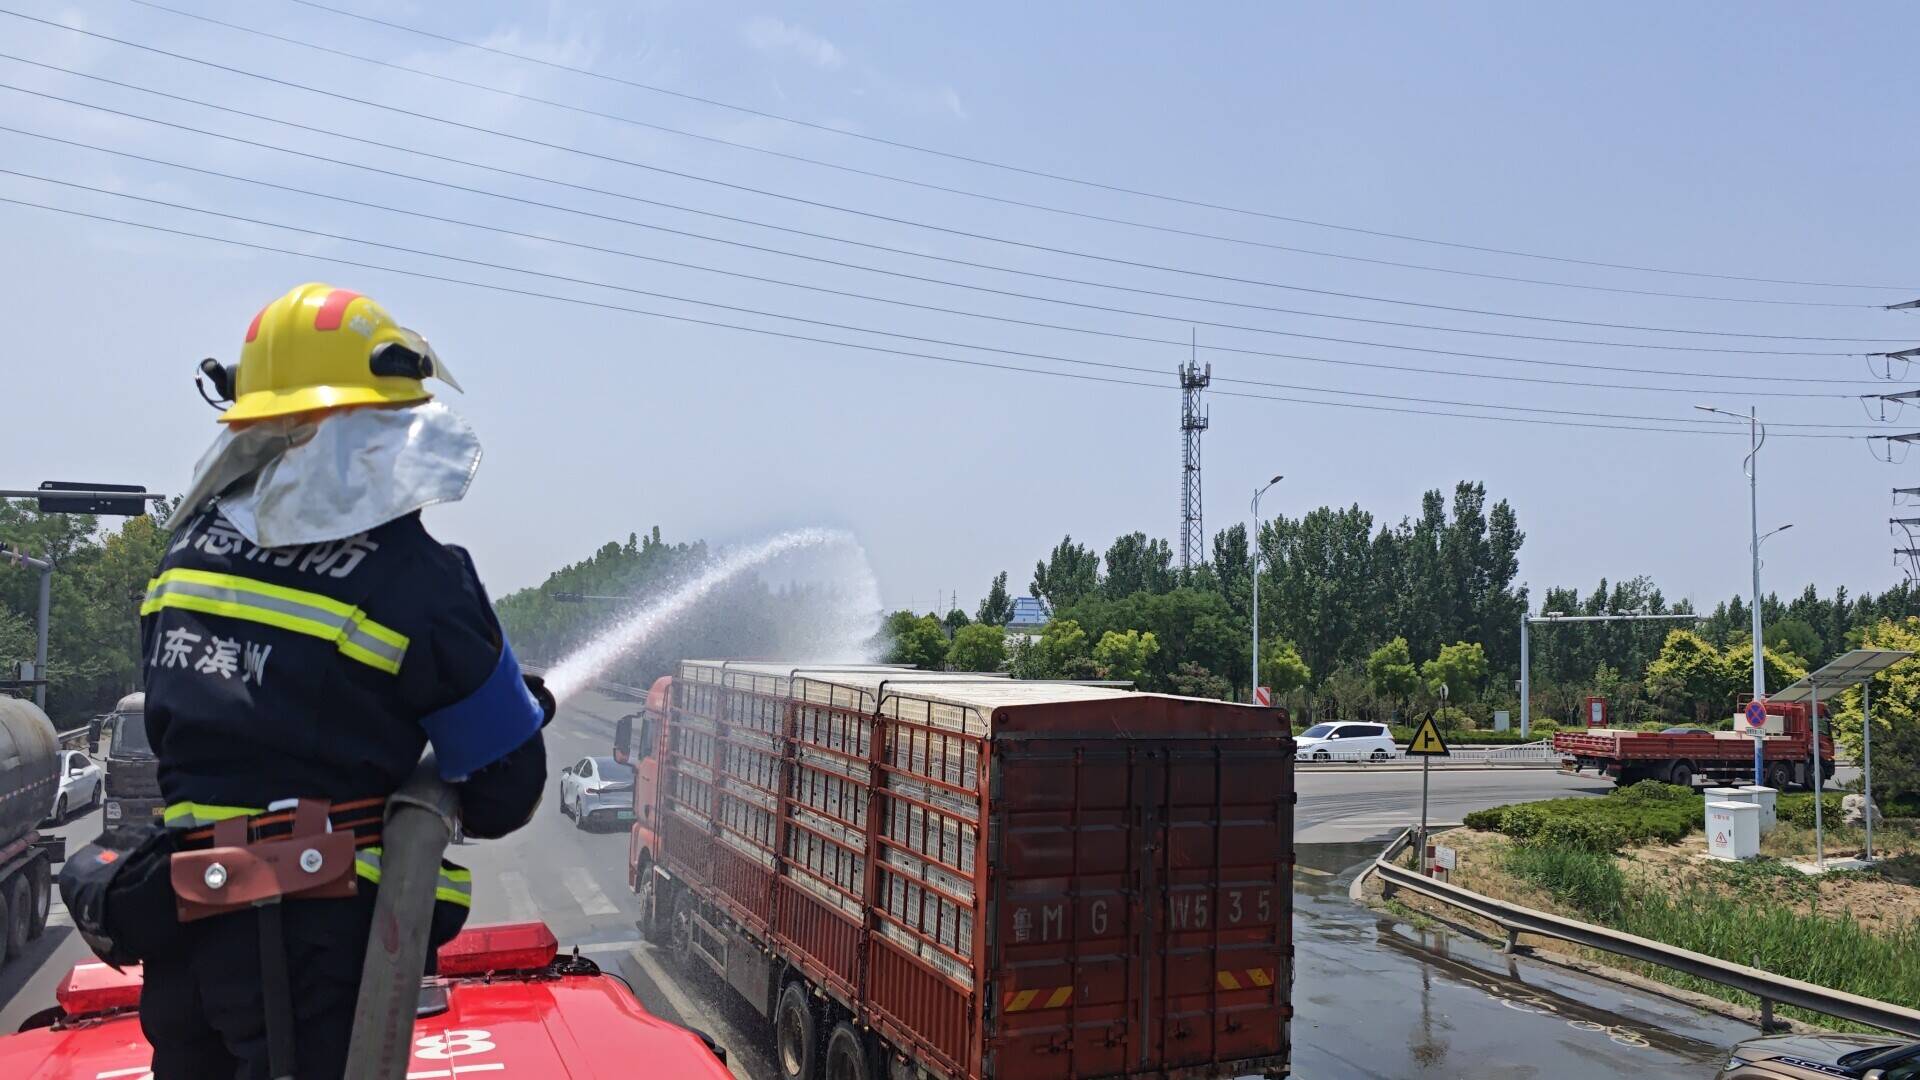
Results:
<point x="505" y="1001"/>
<point x="133" y="773"/>
<point x="636" y="742"/>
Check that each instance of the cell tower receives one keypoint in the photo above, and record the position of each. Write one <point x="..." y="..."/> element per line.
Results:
<point x="1193" y="421"/>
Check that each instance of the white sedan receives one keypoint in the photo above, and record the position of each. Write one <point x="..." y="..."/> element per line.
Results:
<point x="1345" y="742"/>
<point x="82" y="782"/>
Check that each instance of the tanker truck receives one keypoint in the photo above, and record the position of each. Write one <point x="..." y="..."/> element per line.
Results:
<point x="29" y="783"/>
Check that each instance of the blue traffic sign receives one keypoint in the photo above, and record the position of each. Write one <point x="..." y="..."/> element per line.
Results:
<point x="1756" y="714"/>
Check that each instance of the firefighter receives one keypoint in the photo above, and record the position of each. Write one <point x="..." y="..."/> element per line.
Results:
<point x="306" y="639"/>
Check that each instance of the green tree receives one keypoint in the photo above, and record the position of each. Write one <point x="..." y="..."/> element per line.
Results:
<point x="1138" y="564"/>
<point x="1064" y="649"/>
<point x="1461" y="667"/>
<point x="1896" y="713"/>
<point x="1781" y="670"/>
<point x="1192" y="680"/>
<point x="978" y="647"/>
<point x="1069" y="573"/>
<point x="99" y="578"/>
<point x="1282" y="670"/>
<point x="1690" y="679"/>
<point x="1125" y="655"/>
<point x="1190" y="623"/>
<point x="1391" y="672"/>
<point x="1061" y="651"/>
<point x="953" y="622"/>
<point x="1232" y="566"/>
<point x="1796" y="638"/>
<point x="918" y="640"/>
<point x="997" y="608"/>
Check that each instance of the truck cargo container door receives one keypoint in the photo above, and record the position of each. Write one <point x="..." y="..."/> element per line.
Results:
<point x="1142" y="905"/>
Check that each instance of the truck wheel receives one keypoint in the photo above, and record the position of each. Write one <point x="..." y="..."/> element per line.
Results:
<point x="40" y="893"/>
<point x="796" y="1034"/>
<point x="652" y="926"/>
<point x="19" y="916"/>
<point x="1681" y="774"/>
<point x="1779" y="777"/>
<point x="847" y="1057"/>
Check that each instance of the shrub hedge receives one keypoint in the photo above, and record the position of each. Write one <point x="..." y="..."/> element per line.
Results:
<point x="1649" y="810"/>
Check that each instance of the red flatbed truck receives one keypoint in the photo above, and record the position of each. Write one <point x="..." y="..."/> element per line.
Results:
<point x="1631" y="756"/>
<point x="914" y="874"/>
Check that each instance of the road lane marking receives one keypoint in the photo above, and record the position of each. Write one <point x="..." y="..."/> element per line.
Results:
<point x="519" y="897"/>
<point x="587" y="893"/>
<point x="620" y="946"/>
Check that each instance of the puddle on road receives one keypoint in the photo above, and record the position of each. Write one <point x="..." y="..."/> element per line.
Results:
<point x="1374" y="998"/>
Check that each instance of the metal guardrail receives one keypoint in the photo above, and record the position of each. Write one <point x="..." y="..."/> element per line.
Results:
<point x="1771" y="989"/>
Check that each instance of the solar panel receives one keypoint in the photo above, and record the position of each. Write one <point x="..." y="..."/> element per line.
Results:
<point x="1851" y="669"/>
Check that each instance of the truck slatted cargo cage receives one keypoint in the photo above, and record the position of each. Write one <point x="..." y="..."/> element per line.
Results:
<point x="969" y="876"/>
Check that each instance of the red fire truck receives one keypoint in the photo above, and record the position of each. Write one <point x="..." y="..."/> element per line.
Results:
<point x="915" y="874"/>
<point x="505" y="1003"/>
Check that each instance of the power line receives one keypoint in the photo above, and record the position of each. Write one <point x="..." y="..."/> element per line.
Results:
<point x="971" y="235"/>
<point x="603" y="305"/>
<point x="1063" y="178"/>
<point x="847" y="293"/>
<point x="920" y="339"/>
<point x="970" y="193"/>
<point x="1719" y="350"/>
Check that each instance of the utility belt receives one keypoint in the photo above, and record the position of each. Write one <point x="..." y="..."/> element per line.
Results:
<point x="196" y="825"/>
<point x="131" y="890"/>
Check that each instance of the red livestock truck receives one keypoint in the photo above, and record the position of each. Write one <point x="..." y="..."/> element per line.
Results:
<point x="915" y="874"/>
<point x="1679" y="756"/>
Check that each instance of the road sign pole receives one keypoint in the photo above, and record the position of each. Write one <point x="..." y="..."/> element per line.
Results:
<point x="1426" y="772"/>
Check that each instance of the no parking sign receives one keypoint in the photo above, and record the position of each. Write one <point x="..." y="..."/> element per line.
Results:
<point x="1756" y="717"/>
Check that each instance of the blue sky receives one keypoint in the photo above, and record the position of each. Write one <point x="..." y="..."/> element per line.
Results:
<point x="1754" y="140"/>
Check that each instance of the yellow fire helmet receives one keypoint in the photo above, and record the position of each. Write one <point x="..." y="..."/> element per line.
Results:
<point x="319" y="348"/>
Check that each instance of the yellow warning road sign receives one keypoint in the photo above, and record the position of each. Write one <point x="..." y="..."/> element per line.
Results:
<point x="1427" y="741"/>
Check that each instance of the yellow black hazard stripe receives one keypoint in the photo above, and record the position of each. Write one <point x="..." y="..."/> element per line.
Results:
<point x="455" y="887"/>
<point x="352" y="632"/>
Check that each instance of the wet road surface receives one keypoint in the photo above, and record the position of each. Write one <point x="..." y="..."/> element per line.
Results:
<point x="1376" y="998"/>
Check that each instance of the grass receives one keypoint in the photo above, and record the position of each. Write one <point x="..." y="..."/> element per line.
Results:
<point x="1587" y="881"/>
<point x="1829" y="951"/>
<point x="1765" y="877"/>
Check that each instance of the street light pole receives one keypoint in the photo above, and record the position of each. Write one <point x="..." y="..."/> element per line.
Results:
<point x="19" y="557"/>
<point x="1757" y="437"/>
<point x="1253" y="689"/>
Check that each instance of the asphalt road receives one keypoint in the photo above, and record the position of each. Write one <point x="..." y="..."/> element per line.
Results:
<point x="1365" y="804"/>
<point x="1373" y="997"/>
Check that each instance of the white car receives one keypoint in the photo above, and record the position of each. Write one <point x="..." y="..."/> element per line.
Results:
<point x="597" y="790"/>
<point x="1345" y="742"/>
<point x="82" y="782"/>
